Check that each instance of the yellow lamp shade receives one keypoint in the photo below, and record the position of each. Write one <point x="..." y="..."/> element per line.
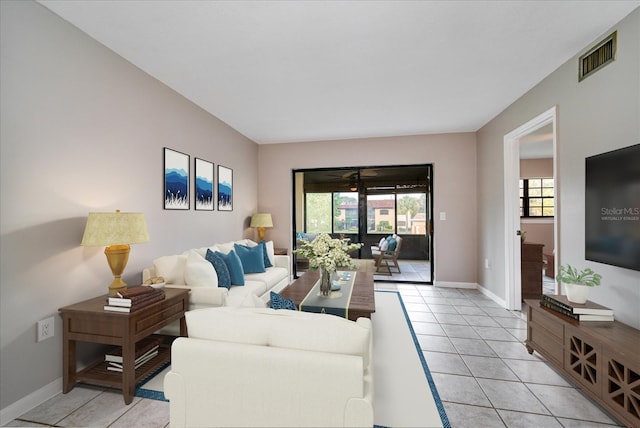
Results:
<point x="115" y="231"/>
<point x="261" y="221"/>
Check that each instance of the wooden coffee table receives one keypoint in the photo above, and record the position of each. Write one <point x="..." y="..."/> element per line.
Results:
<point x="362" y="304"/>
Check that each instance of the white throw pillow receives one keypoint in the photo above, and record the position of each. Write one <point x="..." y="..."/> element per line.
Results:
<point x="202" y="251"/>
<point x="171" y="268"/>
<point x="199" y="272"/>
<point x="384" y="246"/>
<point x="382" y="241"/>
<point x="223" y="248"/>
<point x="247" y="243"/>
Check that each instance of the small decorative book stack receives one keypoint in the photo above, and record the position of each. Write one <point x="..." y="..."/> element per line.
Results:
<point x="133" y="299"/>
<point x="146" y="349"/>
<point x="588" y="311"/>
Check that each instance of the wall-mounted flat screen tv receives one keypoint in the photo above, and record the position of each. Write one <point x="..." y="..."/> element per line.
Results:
<point x="612" y="214"/>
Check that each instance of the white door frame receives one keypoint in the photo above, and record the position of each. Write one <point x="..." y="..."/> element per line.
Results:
<point x="513" y="292"/>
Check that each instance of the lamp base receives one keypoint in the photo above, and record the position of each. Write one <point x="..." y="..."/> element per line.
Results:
<point x="117" y="285"/>
<point x="117" y="257"/>
<point x="261" y="231"/>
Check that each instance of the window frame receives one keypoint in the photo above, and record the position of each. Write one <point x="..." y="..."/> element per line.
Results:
<point x="333" y="209"/>
<point x="525" y="198"/>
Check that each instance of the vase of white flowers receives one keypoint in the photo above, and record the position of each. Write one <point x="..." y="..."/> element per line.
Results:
<point x="327" y="255"/>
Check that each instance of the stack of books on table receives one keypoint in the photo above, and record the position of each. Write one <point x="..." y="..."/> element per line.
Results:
<point x="146" y="349"/>
<point x="588" y="311"/>
<point x="134" y="298"/>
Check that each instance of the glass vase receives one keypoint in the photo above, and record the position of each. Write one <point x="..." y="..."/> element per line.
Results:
<point x="325" y="281"/>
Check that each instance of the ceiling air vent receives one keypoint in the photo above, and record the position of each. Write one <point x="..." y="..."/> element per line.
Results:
<point x="602" y="54"/>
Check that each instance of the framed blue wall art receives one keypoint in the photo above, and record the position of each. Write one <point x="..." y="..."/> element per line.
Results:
<point x="203" y="185"/>
<point x="176" y="180"/>
<point x="225" y="188"/>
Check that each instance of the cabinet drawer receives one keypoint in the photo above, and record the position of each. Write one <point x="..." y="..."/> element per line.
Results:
<point x="547" y="344"/>
<point x="159" y="319"/>
<point x="548" y="322"/>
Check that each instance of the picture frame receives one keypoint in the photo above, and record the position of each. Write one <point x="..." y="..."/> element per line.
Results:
<point x="203" y="185"/>
<point x="225" y="188"/>
<point x="176" y="180"/>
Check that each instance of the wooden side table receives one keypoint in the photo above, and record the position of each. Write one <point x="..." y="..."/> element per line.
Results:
<point x="88" y="322"/>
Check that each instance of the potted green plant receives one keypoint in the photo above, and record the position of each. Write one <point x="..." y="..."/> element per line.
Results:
<point x="578" y="282"/>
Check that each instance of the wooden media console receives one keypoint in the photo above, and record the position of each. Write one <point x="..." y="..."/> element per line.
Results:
<point x="600" y="357"/>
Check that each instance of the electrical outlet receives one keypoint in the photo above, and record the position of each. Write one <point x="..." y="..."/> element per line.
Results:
<point x="45" y="329"/>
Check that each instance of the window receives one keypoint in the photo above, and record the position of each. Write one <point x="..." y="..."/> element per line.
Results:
<point x="412" y="217"/>
<point x="536" y="197"/>
<point x="381" y="210"/>
<point x="318" y="212"/>
<point x="402" y="213"/>
<point x="345" y="212"/>
<point x="332" y="212"/>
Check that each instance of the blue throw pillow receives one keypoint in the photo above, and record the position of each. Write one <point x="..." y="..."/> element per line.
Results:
<point x="235" y="267"/>
<point x="224" y="279"/>
<point x="279" y="302"/>
<point x="392" y="244"/>
<point x="267" y="262"/>
<point x="252" y="258"/>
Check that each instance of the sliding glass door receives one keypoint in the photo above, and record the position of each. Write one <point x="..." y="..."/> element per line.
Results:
<point x="366" y="205"/>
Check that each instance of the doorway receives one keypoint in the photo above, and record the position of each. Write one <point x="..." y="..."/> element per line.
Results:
<point x="366" y="204"/>
<point x="523" y="139"/>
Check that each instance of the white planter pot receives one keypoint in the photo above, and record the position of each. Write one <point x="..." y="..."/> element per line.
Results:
<point x="577" y="293"/>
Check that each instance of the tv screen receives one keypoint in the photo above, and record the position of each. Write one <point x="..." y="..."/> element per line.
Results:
<point x="612" y="211"/>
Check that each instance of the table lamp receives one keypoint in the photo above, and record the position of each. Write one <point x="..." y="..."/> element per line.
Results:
<point x="115" y="231"/>
<point x="261" y="221"/>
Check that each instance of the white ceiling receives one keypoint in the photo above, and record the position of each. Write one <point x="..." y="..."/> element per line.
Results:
<point x="285" y="71"/>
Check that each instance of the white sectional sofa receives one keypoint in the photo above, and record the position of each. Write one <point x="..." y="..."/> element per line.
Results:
<point x="271" y="368"/>
<point x="191" y="270"/>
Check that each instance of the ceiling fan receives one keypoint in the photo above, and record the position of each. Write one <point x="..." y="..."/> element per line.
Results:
<point x="367" y="172"/>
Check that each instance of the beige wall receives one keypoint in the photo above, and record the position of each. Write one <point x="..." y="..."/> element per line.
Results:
<point x="454" y="166"/>
<point x="599" y="114"/>
<point x="536" y="168"/>
<point x="83" y="130"/>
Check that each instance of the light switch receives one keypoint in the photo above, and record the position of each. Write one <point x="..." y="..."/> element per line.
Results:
<point x="443" y="215"/>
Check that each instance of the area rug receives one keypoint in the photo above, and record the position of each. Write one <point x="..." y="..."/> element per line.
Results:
<point x="405" y="394"/>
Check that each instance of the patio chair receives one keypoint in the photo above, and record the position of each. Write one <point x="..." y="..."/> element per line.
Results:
<point x="385" y="260"/>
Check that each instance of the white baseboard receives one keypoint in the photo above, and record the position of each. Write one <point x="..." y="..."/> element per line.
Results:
<point x="492" y="296"/>
<point x="447" y="284"/>
<point x="32" y="400"/>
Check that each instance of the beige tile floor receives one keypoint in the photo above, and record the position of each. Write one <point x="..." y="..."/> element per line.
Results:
<point x="412" y="271"/>
<point x="473" y="348"/>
